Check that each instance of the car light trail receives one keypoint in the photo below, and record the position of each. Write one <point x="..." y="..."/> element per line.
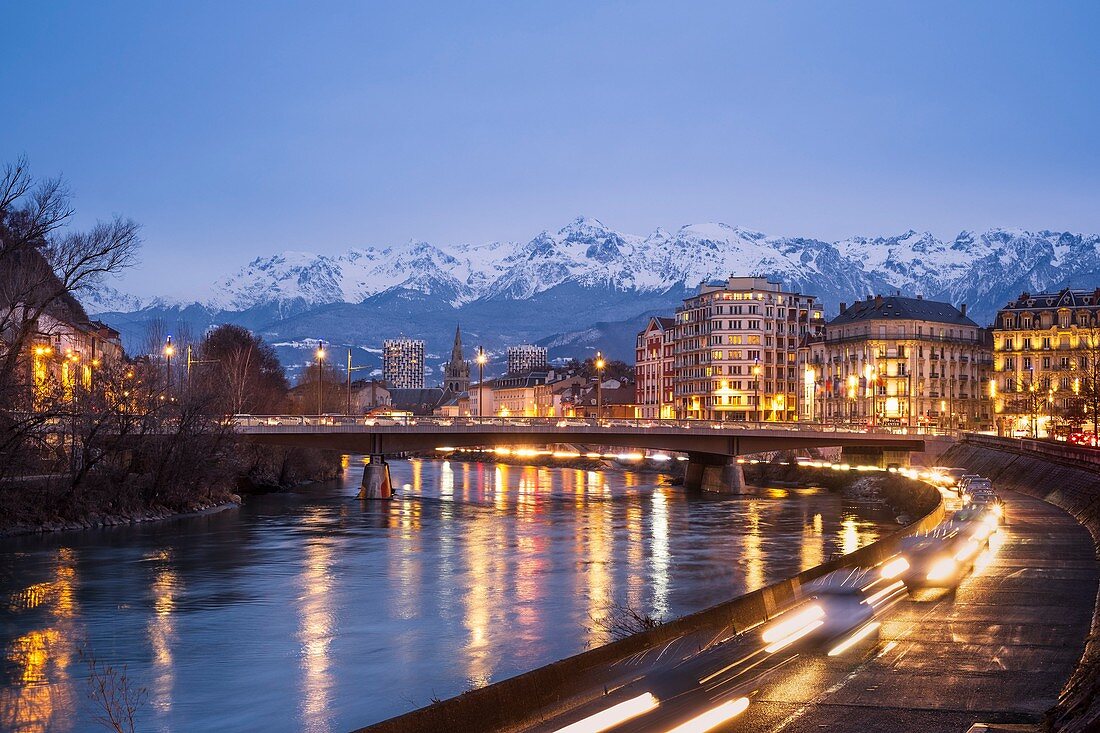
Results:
<point x="713" y="717"/>
<point x="967" y="551"/>
<point x="942" y="569"/>
<point x="895" y="567"/>
<point x="888" y="590"/>
<point x="793" y="623"/>
<point x="792" y="628"/>
<point x="788" y="640"/>
<point x="614" y="715"/>
<point x="854" y="639"/>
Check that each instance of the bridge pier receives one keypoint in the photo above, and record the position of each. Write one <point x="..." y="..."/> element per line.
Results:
<point x="716" y="474"/>
<point x="376" y="479"/>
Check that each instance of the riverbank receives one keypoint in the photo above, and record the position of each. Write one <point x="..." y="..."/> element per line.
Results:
<point x="20" y="519"/>
<point x="51" y="503"/>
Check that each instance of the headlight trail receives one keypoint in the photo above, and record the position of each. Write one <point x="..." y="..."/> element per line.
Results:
<point x="854" y="639"/>
<point x="894" y="568"/>
<point x="613" y="715"/>
<point x="942" y="569"/>
<point x="713" y="717"/>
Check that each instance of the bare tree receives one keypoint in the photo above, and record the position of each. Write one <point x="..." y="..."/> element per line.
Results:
<point x="42" y="268"/>
<point x="1086" y="375"/>
<point x="620" y="621"/>
<point x="116" y="697"/>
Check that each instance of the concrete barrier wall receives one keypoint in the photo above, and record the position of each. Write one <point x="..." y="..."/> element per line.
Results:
<point x="1064" y="477"/>
<point x="543" y="691"/>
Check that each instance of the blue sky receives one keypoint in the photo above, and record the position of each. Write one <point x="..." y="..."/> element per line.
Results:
<point x="231" y="130"/>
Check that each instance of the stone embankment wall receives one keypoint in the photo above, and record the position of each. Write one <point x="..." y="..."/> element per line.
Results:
<point x="546" y="690"/>
<point x="1069" y="478"/>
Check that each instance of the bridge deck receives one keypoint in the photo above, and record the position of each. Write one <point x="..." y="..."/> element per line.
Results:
<point x="370" y="435"/>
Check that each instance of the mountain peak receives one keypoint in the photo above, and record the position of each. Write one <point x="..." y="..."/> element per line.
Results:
<point x="583" y="224"/>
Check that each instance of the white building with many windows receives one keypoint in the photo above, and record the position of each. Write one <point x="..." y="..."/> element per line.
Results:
<point x="403" y="363"/>
<point x="526" y="358"/>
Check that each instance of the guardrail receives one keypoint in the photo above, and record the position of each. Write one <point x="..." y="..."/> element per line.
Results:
<point x="1064" y="452"/>
<point x="564" y="422"/>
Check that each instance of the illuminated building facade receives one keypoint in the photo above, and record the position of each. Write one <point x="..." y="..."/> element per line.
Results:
<point x="403" y="363"/>
<point x="69" y="353"/>
<point x="653" y="369"/>
<point x="515" y="394"/>
<point x="1046" y="349"/>
<point x="526" y="358"/>
<point x="901" y="362"/>
<point x="735" y="350"/>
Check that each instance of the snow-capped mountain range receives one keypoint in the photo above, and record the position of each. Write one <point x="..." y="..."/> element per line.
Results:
<point x="586" y="273"/>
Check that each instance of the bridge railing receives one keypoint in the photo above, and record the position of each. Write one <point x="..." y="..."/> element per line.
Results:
<point x="438" y="421"/>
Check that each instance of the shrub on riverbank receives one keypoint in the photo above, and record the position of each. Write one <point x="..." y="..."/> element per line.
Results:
<point x="895" y="489"/>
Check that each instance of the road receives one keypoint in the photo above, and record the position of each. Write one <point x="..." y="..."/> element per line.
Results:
<point x="998" y="649"/>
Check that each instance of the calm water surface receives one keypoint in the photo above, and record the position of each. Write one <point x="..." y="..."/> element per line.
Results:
<point x="313" y="611"/>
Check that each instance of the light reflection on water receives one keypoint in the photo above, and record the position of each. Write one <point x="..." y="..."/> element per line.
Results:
<point x="313" y="611"/>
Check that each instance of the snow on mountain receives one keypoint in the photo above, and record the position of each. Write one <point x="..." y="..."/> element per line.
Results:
<point x="981" y="269"/>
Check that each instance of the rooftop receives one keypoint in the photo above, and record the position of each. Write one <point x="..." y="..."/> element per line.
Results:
<point x="901" y="308"/>
<point x="1065" y="298"/>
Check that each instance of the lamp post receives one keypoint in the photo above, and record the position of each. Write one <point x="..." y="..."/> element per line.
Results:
<point x="320" y="376"/>
<point x="993" y="402"/>
<point x="350" y="370"/>
<point x="810" y="392"/>
<point x="599" y="384"/>
<point x="1032" y="403"/>
<point x="169" y="349"/>
<point x="853" y="385"/>
<point x="756" y="391"/>
<point x="481" y="359"/>
<point x="191" y="361"/>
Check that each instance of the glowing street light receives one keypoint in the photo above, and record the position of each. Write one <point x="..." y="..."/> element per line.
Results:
<point x="481" y="359"/>
<point x="169" y="349"/>
<point x="320" y="354"/>
<point x="600" y="363"/>
<point x="756" y="370"/>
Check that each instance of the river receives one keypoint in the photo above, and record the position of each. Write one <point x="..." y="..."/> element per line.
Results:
<point x="312" y="611"/>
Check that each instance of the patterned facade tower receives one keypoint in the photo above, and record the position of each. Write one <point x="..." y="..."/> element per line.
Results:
<point x="456" y="373"/>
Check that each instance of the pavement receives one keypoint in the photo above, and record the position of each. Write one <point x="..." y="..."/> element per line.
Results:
<point x="997" y="650"/>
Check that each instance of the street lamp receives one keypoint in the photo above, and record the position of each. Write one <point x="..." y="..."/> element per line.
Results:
<point x="809" y="380"/>
<point x="756" y="391"/>
<point x="169" y="349"/>
<point x="350" y="370"/>
<point x="853" y="383"/>
<point x="600" y="384"/>
<point x="191" y="361"/>
<point x="481" y="359"/>
<point x="320" y="381"/>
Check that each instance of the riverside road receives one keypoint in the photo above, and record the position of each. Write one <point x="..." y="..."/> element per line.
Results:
<point x="999" y="649"/>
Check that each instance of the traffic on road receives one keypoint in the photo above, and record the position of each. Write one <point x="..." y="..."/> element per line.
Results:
<point x="839" y="614"/>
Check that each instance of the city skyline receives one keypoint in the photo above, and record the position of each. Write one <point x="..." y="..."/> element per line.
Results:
<point x="253" y="137"/>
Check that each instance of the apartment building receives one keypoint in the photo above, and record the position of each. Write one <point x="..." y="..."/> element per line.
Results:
<point x="526" y="358"/>
<point x="653" y="369"/>
<point x="735" y="350"/>
<point x="898" y="361"/>
<point x="1046" y="348"/>
<point x="403" y="363"/>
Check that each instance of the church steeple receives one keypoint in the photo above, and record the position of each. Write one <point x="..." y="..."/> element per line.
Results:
<point x="456" y="373"/>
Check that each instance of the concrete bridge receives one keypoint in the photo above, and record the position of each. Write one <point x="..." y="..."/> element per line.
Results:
<point x="711" y="447"/>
